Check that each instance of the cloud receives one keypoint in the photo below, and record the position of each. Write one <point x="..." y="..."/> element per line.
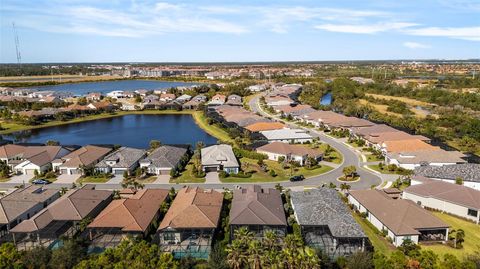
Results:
<point x="365" y="28"/>
<point x="415" y="45"/>
<point x="465" y="33"/>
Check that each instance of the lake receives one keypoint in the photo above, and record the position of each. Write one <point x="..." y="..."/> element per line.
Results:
<point x="104" y="87"/>
<point x="326" y="99"/>
<point x="128" y="130"/>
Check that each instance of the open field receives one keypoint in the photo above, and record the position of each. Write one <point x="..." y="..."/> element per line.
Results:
<point x="408" y="101"/>
<point x="380" y="108"/>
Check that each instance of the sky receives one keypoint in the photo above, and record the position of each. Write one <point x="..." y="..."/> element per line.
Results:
<point x="238" y="31"/>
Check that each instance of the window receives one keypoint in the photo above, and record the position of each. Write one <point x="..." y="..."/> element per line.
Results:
<point x="472" y="212"/>
<point x="168" y="236"/>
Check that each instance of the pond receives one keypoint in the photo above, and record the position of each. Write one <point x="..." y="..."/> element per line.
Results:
<point x="104" y="87"/>
<point x="326" y="99"/>
<point x="128" y="130"/>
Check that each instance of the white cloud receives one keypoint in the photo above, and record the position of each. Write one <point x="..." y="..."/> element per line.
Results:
<point x="466" y="33"/>
<point x="364" y="28"/>
<point x="415" y="45"/>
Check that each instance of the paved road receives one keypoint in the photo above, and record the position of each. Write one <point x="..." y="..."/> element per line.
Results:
<point x="350" y="157"/>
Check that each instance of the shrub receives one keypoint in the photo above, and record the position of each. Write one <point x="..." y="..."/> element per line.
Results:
<point x="272" y="173"/>
<point x="223" y="174"/>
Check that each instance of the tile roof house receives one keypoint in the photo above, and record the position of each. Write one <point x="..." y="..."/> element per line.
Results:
<point x="327" y="223"/>
<point x="195" y="102"/>
<point x="406" y="145"/>
<point x="124" y="159"/>
<point x="189" y="225"/>
<point x="102" y="105"/>
<point x="401" y="219"/>
<point x="287" y="136"/>
<point x="265" y="126"/>
<point x="38" y="158"/>
<point x="217" y="100"/>
<point x="12" y="152"/>
<point x="218" y="158"/>
<point x="183" y="98"/>
<point x="122" y="217"/>
<point x="260" y="210"/>
<point x="434" y="157"/>
<point x="446" y="197"/>
<point x="295" y="111"/>
<point x="234" y="100"/>
<point x="289" y="152"/>
<point x="23" y="203"/>
<point x="163" y="159"/>
<point x="61" y="218"/>
<point x="86" y="156"/>
<point x="468" y="172"/>
<point x="167" y="97"/>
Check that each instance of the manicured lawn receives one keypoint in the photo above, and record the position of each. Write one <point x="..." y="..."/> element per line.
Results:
<point x="472" y="236"/>
<point x="93" y="179"/>
<point x="373" y="158"/>
<point x="149" y="179"/>
<point x="336" y="157"/>
<point x="187" y="176"/>
<point x="379" y="242"/>
<point x="383" y="171"/>
<point x="250" y="165"/>
<point x="211" y="129"/>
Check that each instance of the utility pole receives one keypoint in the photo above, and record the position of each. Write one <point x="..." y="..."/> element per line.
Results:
<point x="17" y="45"/>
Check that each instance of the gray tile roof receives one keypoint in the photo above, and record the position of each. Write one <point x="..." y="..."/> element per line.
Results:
<point x="219" y="154"/>
<point x="124" y="157"/>
<point x="165" y="156"/>
<point x="467" y="171"/>
<point x="323" y="206"/>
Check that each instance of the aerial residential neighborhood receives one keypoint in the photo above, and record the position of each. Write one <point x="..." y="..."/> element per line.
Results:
<point x="240" y="135"/>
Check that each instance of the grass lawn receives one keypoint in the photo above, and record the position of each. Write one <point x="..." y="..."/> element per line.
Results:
<point x="149" y="179"/>
<point x="472" y="236"/>
<point x="336" y="157"/>
<point x="379" y="242"/>
<point x="5" y="179"/>
<point x="373" y="158"/>
<point x="93" y="179"/>
<point x="250" y="165"/>
<point x="211" y="129"/>
<point x="187" y="176"/>
<point x="384" y="171"/>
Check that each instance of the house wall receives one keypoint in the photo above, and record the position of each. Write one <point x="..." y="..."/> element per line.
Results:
<point x="443" y="206"/>
<point x="289" y="140"/>
<point x="470" y="184"/>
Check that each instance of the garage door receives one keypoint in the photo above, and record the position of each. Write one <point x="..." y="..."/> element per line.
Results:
<point x="210" y="169"/>
<point x="63" y="171"/>
<point x="119" y="172"/>
<point x="30" y="171"/>
<point x="164" y="172"/>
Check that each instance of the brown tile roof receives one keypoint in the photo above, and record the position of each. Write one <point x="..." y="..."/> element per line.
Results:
<point x="85" y="155"/>
<point x="407" y="145"/>
<point x="379" y="138"/>
<point x="452" y="193"/>
<point x="265" y="126"/>
<point x="194" y="208"/>
<point x="286" y="149"/>
<point x="325" y="116"/>
<point x="11" y="150"/>
<point x="256" y="206"/>
<point x="21" y="200"/>
<point x="289" y="109"/>
<point x="402" y="217"/>
<point x="427" y="156"/>
<point x="133" y="214"/>
<point x="75" y="205"/>
<point x="374" y="130"/>
<point x="41" y="155"/>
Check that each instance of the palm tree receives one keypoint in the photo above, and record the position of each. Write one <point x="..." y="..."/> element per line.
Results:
<point x="255" y="254"/>
<point x="345" y="187"/>
<point x="235" y="255"/>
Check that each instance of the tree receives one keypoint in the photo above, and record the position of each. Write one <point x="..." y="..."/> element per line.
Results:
<point x="155" y="144"/>
<point x="52" y="143"/>
<point x="67" y="256"/>
<point x="459" y="181"/>
<point x="10" y="258"/>
<point x="349" y="171"/>
<point x="428" y="259"/>
<point x="409" y="248"/>
<point x="360" y="260"/>
<point x="4" y="169"/>
<point x="459" y="238"/>
<point x="217" y="258"/>
<point x="82" y="101"/>
<point x="38" y="257"/>
<point x="345" y="187"/>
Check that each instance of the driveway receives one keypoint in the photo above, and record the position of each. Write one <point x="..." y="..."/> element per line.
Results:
<point x="20" y="179"/>
<point x="212" y="178"/>
<point x="116" y="179"/>
<point x="67" y="179"/>
<point x="162" y="179"/>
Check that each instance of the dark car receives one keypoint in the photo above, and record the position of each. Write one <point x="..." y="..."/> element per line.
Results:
<point x="297" y="178"/>
<point x="41" y="182"/>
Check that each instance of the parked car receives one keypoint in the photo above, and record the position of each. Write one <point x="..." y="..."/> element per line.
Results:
<point x="41" y="182"/>
<point x="297" y="178"/>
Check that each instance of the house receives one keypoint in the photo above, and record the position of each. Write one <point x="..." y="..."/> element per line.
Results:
<point x="126" y="106"/>
<point x="51" y="99"/>
<point x="116" y="94"/>
<point x="219" y="158"/>
<point x="406" y="145"/>
<point x="183" y="98"/>
<point x="287" y="136"/>
<point x="217" y="100"/>
<point x="189" y="225"/>
<point x="469" y="173"/>
<point x="435" y="157"/>
<point x="295" y="111"/>
<point x="131" y="217"/>
<point x="399" y="219"/>
<point x="163" y="159"/>
<point x="264" y="126"/>
<point x="125" y="159"/>
<point x="62" y="218"/>
<point x="195" y="102"/>
<point x="142" y="92"/>
<point x="289" y="152"/>
<point x="234" y="100"/>
<point x="321" y="118"/>
<point x="326" y="222"/>
<point x="278" y="100"/>
<point x="167" y="97"/>
<point x="84" y="157"/>
<point x="94" y="96"/>
<point x="257" y="88"/>
<point x="38" y="158"/>
<point x="23" y="203"/>
<point x="11" y="152"/>
<point x="453" y="199"/>
<point x="101" y="106"/>
<point x="259" y="210"/>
